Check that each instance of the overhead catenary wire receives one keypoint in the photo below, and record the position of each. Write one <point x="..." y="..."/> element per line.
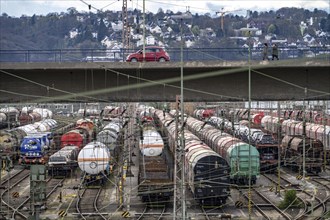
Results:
<point x="47" y="87"/>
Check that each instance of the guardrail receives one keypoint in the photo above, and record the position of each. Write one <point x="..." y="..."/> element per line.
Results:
<point x="189" y="54"/>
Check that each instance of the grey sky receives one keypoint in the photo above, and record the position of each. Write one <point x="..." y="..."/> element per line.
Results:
<point x="29" y="7"/>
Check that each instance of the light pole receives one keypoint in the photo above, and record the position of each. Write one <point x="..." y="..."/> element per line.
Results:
<point x="186" y="15"/>
<point x="249" y="82"/>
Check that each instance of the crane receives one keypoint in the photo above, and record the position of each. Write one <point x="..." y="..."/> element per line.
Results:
<point x="222" y="13"/>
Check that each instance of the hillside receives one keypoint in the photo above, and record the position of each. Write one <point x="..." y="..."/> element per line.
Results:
<point x="75" y="30"/>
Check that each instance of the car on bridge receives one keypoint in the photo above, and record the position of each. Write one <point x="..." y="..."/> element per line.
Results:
<point x="152" y="53"/>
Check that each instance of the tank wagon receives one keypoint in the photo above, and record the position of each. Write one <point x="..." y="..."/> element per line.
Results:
<point x="152" y="143"/>
<point x="206" y="171"/>
<point x="203" y="114"/>
<point x="9" y="117"/>
<point x="155" y="181"/>
<point x="110" y="135"/>
<point x="110" y="112"/>
<point x="29" y="118"/>
<point x="239" y="155"/>
<point x="88" y="112"/>
<point x="63" y="162"/>
<point x="94" y="161"/>
<point x="80" y="136"/>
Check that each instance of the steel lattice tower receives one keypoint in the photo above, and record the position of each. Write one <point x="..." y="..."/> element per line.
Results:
<point x="126" y="28"/>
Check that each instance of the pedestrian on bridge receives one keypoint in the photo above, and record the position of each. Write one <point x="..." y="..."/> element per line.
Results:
<point x="265" y="52"/>
<point x="274" y="52"/>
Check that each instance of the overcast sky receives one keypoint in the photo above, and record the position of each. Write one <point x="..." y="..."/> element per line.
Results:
<point x="43" y="7"/>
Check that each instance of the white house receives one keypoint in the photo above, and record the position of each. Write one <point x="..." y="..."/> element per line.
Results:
<point x="94" y="34"/>
<point x="150" y="40"/>
<point x="156" y="30"/>
<point x="117" y="26"/>
<point x="80" y="18"/>
<point x="73" y="33"/>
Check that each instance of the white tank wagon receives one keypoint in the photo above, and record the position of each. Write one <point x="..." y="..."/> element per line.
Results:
<point x="110" y="134"/>
<point x="152" y="143"/>
<point x="94" y="161"/>
<point x="45" y="125"/>
<point x="45" y="113"/>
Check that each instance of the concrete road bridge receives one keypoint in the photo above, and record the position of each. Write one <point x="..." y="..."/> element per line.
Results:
<point x="299" y="79"/>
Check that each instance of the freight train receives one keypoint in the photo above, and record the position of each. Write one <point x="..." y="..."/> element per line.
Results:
<point x="243" y="159"/>
<point x="10" y="140"/>
<point x="154" y="178"/>
<point x="265" y="143"/>
<point x="80" y="136"/>
<point x="206" y="172"/>
<point x="318" y="135"/>
<point x="97" y="158"/>
<point x="11" y="117"/>
<point x="292" y="154"/>
<point x="316" y="117"/>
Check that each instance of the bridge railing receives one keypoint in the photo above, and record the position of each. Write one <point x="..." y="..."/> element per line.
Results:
<point x="189" y="54"/>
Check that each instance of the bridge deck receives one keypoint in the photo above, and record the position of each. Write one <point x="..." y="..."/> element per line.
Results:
<point x="203" y="81"/>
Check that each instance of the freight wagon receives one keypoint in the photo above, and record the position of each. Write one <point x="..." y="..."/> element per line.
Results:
<point x="94" y="160"/>
<point x="63" y="162"/>
<point x="154" y="179"/>
<point x="239" y="155"/>
<point x="206" y="172"/>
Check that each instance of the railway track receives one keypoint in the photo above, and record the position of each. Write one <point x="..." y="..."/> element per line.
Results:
<point x="150" y="213"/>
<point x="8" y="193"/>
<point x="84" y="205"/>
<point x="15" y="197"/>
<point x="314" y="205"/>
<point x="215" y="213"/>
<point x="264" y="206"/>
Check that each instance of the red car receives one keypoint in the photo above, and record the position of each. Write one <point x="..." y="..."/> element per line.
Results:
<point x="153" y="53"/>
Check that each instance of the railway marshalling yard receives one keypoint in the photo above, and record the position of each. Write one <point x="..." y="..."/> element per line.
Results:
<point x="67" y="199"/>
